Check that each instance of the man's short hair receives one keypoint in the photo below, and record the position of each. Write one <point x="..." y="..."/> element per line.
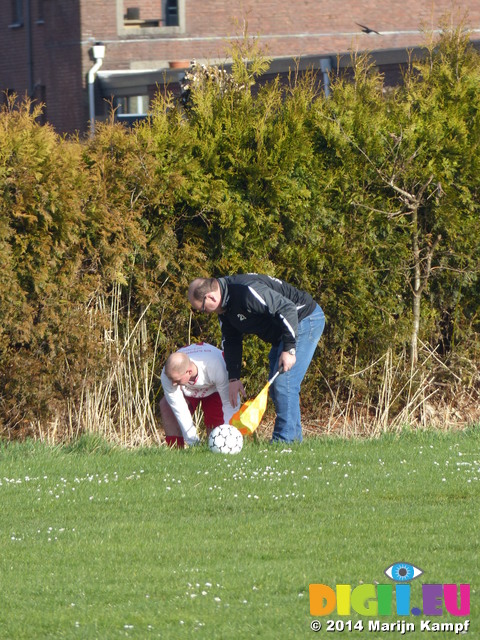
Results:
<point x="177" y="363"/>
<point x="199" y="288"/>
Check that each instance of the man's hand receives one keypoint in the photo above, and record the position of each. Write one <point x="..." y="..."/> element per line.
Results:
<point x="286" y="361"/>
<point x="235" y="387"/>
<point x="191" y="436"/>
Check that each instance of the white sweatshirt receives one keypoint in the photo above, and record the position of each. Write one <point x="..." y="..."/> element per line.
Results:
<point x="212" y="377"/>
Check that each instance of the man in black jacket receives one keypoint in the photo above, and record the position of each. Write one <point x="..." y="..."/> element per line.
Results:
<point x="278" y="313"/>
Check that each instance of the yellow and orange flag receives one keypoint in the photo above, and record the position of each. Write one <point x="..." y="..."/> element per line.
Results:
<point x="250" y="414"/>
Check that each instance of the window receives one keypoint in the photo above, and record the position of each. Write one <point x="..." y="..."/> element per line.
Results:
<point x="171" y="13"/>
<point x="133" y="105"/>
<point x="144" y="16"/>
<point x="40" y="15"/>
<point x="150" y="16"/>
<point x="17" y="13"/>
<point x="130" y="109"/>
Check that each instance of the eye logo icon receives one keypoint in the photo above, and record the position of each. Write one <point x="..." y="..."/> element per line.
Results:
<point x="403" y="572"/>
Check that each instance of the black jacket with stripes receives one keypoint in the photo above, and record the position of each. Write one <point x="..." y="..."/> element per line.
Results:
<point x="267" y="307"/>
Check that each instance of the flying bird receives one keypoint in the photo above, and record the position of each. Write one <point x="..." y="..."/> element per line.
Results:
<point x="367" y="29"/>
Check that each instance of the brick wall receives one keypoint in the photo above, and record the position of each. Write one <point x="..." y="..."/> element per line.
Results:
<point x="53" y="73"/>
<point x="304" y="27"/>
<point x="61" y="45"/>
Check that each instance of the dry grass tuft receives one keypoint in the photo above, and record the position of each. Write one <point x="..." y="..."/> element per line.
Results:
<point x="386" y="397"/>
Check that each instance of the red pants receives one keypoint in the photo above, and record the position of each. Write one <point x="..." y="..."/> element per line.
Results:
<point x="212" y="409"/>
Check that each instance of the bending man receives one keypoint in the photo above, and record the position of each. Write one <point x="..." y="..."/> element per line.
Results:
<point x="194" y="375"/>
<point x="278" y="313"/>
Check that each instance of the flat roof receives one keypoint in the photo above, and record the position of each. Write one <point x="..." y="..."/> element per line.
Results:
<point x="138" y="81"/>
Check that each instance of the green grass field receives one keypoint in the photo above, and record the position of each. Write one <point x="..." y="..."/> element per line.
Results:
<point x="106" y="543"/>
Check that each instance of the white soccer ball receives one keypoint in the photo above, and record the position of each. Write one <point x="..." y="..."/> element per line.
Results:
<point x="225" y="439"/>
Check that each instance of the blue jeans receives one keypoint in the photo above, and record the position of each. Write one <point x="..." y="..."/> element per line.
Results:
<point x="285" y="390"/>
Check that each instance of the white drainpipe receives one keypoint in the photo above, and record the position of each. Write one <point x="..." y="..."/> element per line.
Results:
<point x="98" y="51"/>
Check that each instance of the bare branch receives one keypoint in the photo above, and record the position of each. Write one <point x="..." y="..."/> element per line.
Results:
<point x="388" y="214"/>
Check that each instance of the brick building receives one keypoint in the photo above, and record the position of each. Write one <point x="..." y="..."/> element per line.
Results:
<point x="76" y="55"/>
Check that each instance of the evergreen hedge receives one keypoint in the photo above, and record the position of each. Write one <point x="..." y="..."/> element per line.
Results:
<point x="368" y="199"/>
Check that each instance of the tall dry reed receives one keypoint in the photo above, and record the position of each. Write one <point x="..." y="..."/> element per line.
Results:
<point x="117" y="403"/>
